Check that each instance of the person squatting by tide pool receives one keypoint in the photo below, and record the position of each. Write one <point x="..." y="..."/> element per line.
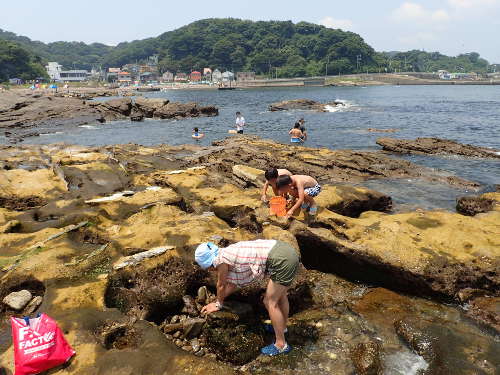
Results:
<point x="245" y="262"/>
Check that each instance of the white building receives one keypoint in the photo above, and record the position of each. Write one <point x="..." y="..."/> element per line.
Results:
<point x="227" y="76"/>
<point x="74" y="75"/>
<point x="216" y="75"/>
<point x="54" y="70"/>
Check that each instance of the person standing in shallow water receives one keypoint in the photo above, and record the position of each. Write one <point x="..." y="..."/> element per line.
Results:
<point x="240" y="123"/>
<point x="245" y="262"/>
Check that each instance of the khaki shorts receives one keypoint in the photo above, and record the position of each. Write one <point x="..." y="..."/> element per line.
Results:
<point x="282" y="263"/>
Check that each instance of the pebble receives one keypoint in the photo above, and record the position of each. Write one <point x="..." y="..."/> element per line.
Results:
<point x="200" y="353"/>
<point x="169" y="337"/>
<point x="175" y="319"/>
<point x="319" y="324"/>
<point x="33" y="305"/>
<point x="187" y="348"/>
<point x="179" y="343"/>
<point x="18" y="300"/>
<point x="195" y="344"/>
<point x="211" y="355"/>
<point x="177" y="334"/>
<point x="332" y="355"/>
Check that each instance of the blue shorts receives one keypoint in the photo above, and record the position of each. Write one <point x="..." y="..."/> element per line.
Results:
<point x="295" y="140"/>
<point x="313" y="191"/>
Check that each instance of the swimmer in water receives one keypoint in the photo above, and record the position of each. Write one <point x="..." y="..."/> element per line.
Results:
<point x="295" y="133"/>
<point x="196" y="134"/>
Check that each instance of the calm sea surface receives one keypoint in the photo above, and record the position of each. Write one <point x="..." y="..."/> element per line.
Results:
<point x="468" y="114"/>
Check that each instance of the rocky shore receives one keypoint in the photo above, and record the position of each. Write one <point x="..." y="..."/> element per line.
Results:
<point x="436" y="146"/>
<point x="102" y="239"/>
<point x="305" y="105"/>
<point x="21" y="114"/>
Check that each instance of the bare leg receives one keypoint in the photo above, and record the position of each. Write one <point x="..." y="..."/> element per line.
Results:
<point x="284" y="307"/>
<point x="272" y="298"/>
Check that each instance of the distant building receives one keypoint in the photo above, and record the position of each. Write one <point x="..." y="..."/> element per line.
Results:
<point x="216" y="75"/>
<point x="167" y="77"/>
<point x="181" y="77"/>
<point x="195" y="76"/>
<point x="227" y="76"/>
<point x="54" y="70"/>
<point x="114" y="70"/>
<point x="74" y="75"/>
<point x="16" y="81"/>
<point x="443" y="74"/>
<point x="245" y="76"/>
<point x="124" y="78"/>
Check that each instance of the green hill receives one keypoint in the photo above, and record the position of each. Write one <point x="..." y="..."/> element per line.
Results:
<point x="17" y="62"/>
<point x="277" y="48"/>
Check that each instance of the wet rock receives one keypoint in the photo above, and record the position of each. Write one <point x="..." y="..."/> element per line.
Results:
<point x="366" y="359"/>
<point x="237" y="345"/>
<point x="301" y="104"/>
<point x="33" y="305"/>
<point x="200" y="353"/>
<point x="187" y="348"/>
<point x="432" y="341"/>
<point x="177" y="334"/>
<point x="148" y="106"/>
<point x="179" y="343"/>
<point x="472" y="206"/>
<point x="18" y="300"/>
<point x="327" y="166"/>
<point x="202" y="295"/>
<point x="195" y="344"/>
<point x="435" y="146"/>
<point x="486" y="311"/>
<point x="192" y="327"/>
<point x="172" y="327"/>
<point x="175" y="319"/>
<point x="10" y="226"/>
<point x="190" y="306"/>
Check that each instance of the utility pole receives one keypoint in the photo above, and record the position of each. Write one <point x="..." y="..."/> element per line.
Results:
<point x="358" y="62"/>
<point x="326" y="66"/>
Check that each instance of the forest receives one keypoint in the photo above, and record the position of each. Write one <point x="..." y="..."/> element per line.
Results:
<point x="270" y="48"/>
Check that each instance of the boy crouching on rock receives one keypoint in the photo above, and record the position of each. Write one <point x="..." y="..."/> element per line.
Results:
<point x="304" y="188"/>
<point x="271" y="176"/>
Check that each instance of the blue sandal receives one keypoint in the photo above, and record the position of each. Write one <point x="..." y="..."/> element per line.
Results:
<point x="305" y="206"/>
<point x="272" y="350"/>
<point x="313" y="210"/>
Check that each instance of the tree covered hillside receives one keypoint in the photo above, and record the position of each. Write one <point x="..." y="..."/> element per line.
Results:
<point x="421" y="61"/>
<point x="17" y="62"/>
<point x="295" y="49"/>
<point x="72" y="55"/>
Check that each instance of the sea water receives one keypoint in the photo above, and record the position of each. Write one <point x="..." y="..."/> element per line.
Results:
<point x="467" y="114"/>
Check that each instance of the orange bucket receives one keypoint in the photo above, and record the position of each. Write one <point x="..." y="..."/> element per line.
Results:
<point x="278" y="206"/>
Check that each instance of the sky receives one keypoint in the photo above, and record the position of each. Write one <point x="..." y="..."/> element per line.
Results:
<point x="448" y="26"/>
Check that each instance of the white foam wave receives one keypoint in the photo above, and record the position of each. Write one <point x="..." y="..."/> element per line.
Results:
<point x="88" y="126"/>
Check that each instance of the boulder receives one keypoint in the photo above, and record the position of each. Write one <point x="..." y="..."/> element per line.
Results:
<point x="472" y="206"/>
<point x="437" y="146"/>
<point x="122" y="106"/>
<point x="301" y="104"/>
<point x="18" y="300"/>
<point x="248" y="176"/>
<point x="486" y="311"/>
<point x="148" y="106"/>
<point x="366" y="359"/>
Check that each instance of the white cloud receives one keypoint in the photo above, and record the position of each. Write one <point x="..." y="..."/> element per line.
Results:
<point x="467" y="4"/>
<point x="409" y="11"/>
<point x="336" y="23"/>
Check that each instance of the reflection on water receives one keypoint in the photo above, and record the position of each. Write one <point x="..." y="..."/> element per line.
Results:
<point x="404" y="363"/>
<point x="468" y="114"/>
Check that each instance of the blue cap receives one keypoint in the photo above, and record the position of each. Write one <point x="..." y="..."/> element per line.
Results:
<point x="205" y="254"/>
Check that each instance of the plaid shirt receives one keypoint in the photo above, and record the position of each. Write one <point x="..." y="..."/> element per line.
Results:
<point x="246" y="260"/>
